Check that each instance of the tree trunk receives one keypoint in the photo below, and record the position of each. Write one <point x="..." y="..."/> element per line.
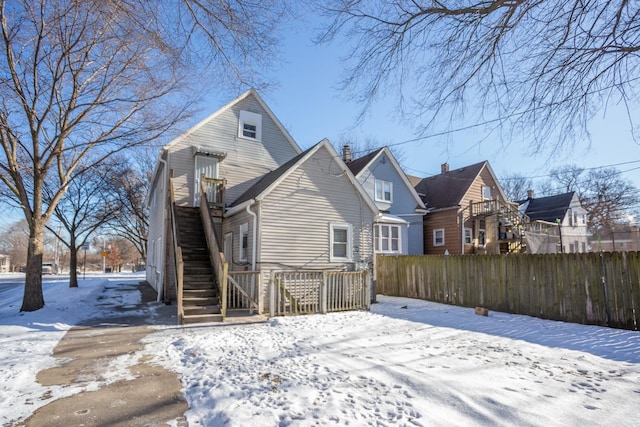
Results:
<point x="73" y="265"/>
<point x="33" y="298"/>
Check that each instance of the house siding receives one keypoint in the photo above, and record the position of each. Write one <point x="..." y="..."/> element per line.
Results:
<point x="232" y="225"/>
<point x="246" y="160"/>
<point x="287" y="240"/>
<point x="403" y="202"/>
<point x="156" y="247"/>
<point x="447" y="220"/>
<point x="415" y="239"/>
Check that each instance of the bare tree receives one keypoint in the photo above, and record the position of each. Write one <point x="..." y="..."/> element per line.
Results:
<point x="131" y="187"/>
<point x="362" y="147"/>
<point x="97" y="77"/>
<point x="87" y="205"/>
<point x="516" y="186"/>
<point x="608" y="198"/>
<point x="567" y="178"/>
<point x="13" y="241"/>
<point x="542" y="68"/>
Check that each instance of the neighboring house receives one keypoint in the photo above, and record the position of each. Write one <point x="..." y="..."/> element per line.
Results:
<point x="468" y="212"/>
<point x="5" y="263"/>
<point x="398" y="229"/>
<point x="277" y="207"/>
<point x="621" y="238"/>
<point x="557" y="223"/>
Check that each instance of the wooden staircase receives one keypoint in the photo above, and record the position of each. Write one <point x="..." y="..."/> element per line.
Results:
<point x="200" y="297"/>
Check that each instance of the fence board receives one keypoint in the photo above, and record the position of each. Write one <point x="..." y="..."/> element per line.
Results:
<point x="589" y="288"/>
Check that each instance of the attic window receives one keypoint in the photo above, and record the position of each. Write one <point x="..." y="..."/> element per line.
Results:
<point x="250" y="126"/>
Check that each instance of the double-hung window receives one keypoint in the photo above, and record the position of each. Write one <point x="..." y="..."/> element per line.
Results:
<point x="250" y="125"/>
<point x="438" y="237"/>
<point x="340" y="242"/>
<point x="387" y="238"/>
<point x="384" y="191"/>
<point x="468" y="236"/>
<point x="244" y="242"/>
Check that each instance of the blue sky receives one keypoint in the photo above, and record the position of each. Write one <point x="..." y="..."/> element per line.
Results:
<point x="310" y="106"/>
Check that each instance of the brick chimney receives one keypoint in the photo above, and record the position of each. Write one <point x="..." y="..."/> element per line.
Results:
<point x="346" y="154"/>
<point x="530" y="194"/>
<point x="444" y="168"/>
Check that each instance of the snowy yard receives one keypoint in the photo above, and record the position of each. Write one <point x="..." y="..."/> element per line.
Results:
<point x="426" y="364"/>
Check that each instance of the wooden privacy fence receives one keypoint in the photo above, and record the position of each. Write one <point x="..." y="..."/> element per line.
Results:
<point x="306" y="292"/>
<point x="590" y="288"/>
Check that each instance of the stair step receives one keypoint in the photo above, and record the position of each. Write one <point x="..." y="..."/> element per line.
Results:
<point x="199" y="302"/>
<point x="200" y="293"/>
<point x="202" y="318"/>
<point x="204" y="309"/>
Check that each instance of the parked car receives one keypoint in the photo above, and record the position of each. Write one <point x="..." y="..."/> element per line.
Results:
<point x="49" y="268"/>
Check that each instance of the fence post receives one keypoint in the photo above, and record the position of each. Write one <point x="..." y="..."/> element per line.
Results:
<point x="367" y="290"/>
<point x="604" y="287"/>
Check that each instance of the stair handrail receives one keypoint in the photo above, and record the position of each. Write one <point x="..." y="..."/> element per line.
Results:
<point x="177" y="250"/>
<point x="217" y="257"/>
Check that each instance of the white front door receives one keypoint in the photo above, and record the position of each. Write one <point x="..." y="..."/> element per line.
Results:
<point x="207" y="166"/>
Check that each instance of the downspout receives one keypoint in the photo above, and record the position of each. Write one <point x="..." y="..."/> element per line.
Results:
<point x="163" y="235"/>
<point x="254" y="248"/>
<point x="462" y="232"/>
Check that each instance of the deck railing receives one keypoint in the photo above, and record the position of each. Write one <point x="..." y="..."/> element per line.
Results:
<point x="217" y="257"/>
<point x="245" y="291"/>
<point x="306" y="292"/>
<point x="214" y="190"/>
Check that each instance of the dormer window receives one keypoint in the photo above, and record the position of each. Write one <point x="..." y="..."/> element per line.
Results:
<point x="250" y="125"/>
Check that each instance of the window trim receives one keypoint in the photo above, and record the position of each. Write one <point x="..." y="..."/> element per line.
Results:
<point x="483" y="193"/>
<point x="341" y="226"/>
<point x="378" y="239"/>
<point x="252" y="119"/>
<point x="470" y="236"/>
<point x="435" y="239"/>
<point x="375" y="191"/>
<point x="243" y="252"/>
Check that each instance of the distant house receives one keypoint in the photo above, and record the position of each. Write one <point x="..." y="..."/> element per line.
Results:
<point x="468" y="212"/>
<point x="274" y="206"/>
<point x="557" y="223"/>
<point x="622" y="238"/>
<point x="398" y="229"/>
<point x="5" y="263"/>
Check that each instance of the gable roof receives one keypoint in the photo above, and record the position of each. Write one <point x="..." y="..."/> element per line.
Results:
<point x="359" y="165"/>
<point x="253" y="93"/>
<point x="449" y="188"/>
<point x="356" y="166"/>
<point x="268" y="182"/>
<point x="548" y="208"/>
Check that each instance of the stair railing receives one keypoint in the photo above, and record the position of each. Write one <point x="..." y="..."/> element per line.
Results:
<point x="177" y="250"/>
<point x="217" y="257"/>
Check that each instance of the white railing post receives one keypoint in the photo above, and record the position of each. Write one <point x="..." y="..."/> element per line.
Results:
<point x="323" y="293"/>
<point x="272" y="295"/>
<point x="260" y="299"/>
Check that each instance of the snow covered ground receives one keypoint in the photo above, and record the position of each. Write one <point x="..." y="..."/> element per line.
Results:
<point x="426" y="364"/>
